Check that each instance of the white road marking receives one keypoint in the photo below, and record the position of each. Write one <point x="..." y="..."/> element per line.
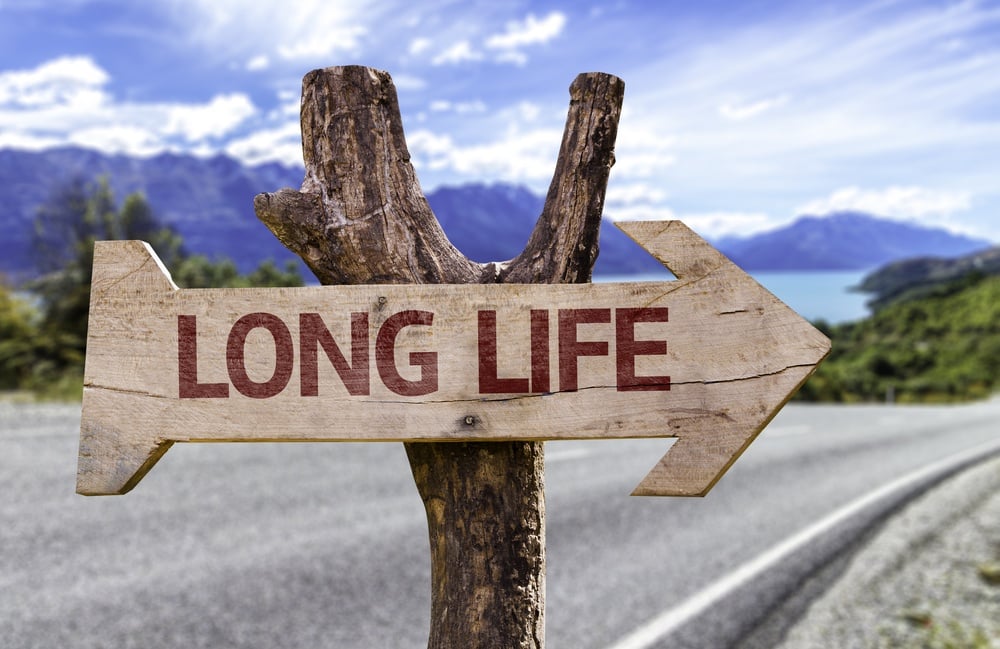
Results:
<point x="671" y="619"/>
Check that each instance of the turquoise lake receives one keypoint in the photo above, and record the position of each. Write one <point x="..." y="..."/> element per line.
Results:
<point x="814" y="295"/>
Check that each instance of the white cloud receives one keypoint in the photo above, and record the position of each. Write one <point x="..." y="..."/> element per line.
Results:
<point x="740" y="112"/>
<point x="528" y="111"/>
<point x="645" y="202"/>
<point x="507" y="46"/>
<point x="128" y="139"/>
<point x="516" y="57"/>
<point x="462" y="107"/>
<point x="628" y="194"/>
<point x="460" y="52"/>
<point x="721" y="224"/>
<point x="318" y="46"/>
<point x="65" y="101"/>
<point x="642" y="149"/>
<point x="420" y="45"/>
<point x="520" y="34"/>
<point x="711" y="225"/>
<point x="282" y="144"/>
<point x="530" y="31"/>
<point x="305" y="30"/>
<point x="517" y="156"/>
<point x="289" y="107"/>
<point x="643" y="212"/>
<point x="28" y="142"/>
<point x="68" y="80"/>
<point x="429" y="146"/>
<point x="259" y="62"/>
<point x="215" y="119"/>
<point x="408" y="82"/>
<point x="891" y="202"/>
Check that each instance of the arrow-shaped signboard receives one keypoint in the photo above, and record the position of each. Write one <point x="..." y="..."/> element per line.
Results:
<point x="708" y="359"/>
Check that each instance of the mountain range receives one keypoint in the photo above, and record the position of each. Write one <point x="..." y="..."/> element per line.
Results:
<point x="844" y="241"/>
<point x="209" y="201"/>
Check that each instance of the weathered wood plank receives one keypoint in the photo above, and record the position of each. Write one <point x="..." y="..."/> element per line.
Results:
<point x="714" y="359"/>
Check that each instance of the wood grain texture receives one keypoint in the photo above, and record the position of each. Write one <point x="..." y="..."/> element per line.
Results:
<point x="733" y="354"/>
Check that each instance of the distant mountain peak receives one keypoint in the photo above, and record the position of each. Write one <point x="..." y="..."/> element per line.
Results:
<point x="844" y="240"/>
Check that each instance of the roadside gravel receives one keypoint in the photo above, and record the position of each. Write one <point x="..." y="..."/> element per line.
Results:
<point x="924" y="580"/>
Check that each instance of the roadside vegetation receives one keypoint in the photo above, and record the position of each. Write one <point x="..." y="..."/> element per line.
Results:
<point x="927" y="341"/>
<point x="43" y="324"/>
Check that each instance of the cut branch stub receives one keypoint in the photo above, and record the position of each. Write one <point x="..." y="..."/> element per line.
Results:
<point x="360" y="217"/>
<point x="563" y="246"/>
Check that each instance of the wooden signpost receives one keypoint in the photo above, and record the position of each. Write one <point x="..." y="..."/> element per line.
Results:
<point x="472" y="365"/>
<point x="707" y="359"/>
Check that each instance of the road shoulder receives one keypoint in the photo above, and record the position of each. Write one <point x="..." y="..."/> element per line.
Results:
<point x="918" y="580"/>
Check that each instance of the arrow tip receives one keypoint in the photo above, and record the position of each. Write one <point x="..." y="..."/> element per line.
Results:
<point x="789" y="347"/>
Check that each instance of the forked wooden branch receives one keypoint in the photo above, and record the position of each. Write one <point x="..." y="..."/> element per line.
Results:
<point x="360" y="217"/>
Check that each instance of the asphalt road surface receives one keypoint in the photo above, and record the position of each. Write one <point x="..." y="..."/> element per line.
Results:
<point x="324" y="545"/>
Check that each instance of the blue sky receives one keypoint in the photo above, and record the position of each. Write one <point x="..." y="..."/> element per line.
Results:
<point x="738" y="116"/>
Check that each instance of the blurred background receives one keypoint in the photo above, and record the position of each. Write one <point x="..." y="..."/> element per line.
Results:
<point x="843" y="153"/>
<point x="812" y="144"/>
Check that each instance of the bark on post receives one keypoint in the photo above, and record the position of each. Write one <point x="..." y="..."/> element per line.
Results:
<point x="360" y="217"/>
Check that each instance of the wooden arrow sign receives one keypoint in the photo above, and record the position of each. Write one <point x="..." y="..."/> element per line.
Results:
<point x="708" y="359"/>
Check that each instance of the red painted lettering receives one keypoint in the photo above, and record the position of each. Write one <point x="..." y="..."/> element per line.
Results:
<point x="570" y="349"/>
<point x="356" y="374"/>
<point x="539" y="350"/>
<point x="313" y="334"/>
<point x="489" y="383"/>
<point x="236" y="360"/>
<point x="627" y="348"/>
<point x="385" y="356"/>
<point x="187" y="364"/>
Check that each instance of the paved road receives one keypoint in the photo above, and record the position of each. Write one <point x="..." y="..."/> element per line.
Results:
<point x="321" y="545"/>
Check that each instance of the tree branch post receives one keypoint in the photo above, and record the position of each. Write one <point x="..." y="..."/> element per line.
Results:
<point x="360" y="217"/>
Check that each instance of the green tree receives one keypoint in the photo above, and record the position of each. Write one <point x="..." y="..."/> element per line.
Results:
<point x="17" y="339"/>
<point x="197" y="271"/>
<point x="268" y="274"/>
<point x="66" y="227"/>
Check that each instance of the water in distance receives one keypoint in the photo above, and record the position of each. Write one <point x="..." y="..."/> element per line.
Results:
<point x="814" y="295"/>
